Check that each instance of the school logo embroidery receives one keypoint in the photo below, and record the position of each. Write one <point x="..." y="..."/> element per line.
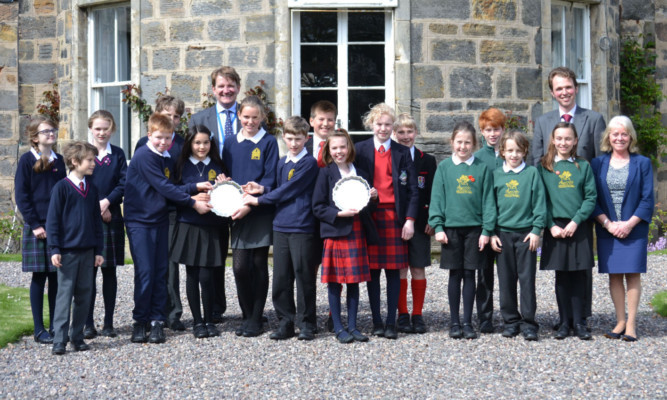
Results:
<point x="512" y="189"/>
<point x="421" y="182"/>
<point x="256" y="154"/>
<point x="211" y="175"/>
<point x="290" y="174"/>
<point x="166" y="172"/>
<point x="565" y="180"/>
<point x="403" y="177"/>
<point x="464" y="185"/>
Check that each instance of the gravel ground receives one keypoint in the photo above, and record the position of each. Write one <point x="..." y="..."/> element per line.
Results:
<point x="414" y="366"/>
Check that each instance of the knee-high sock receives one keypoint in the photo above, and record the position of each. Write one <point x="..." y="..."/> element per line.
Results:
<point x="393" y="277"/>
<point x="454" y="294"/>
<point x="192" y="292"/>
<point x="37" y="299"/>
<point x="333" y="289"/>
<point x="373" y="287"/>
<point x="352" y="305"/>
<point x="403" y="297"/>
<point x="206" y="283"/>
<point x="418" y="295"/>
<point x="468" y="295"/>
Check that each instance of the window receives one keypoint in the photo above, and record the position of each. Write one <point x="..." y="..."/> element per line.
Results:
<point x="109" y="67"/>
<point x="570" y="44"/>
<point x="344" y="56"/>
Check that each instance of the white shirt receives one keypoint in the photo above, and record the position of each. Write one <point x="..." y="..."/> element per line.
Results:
<point x="296" y="158"/>
<point x="52" y="157"/>
<point x="386" y="144"/>
<point x="558" y="158"/>
<point x="571" y="112"/>
<point x="353" y="171"/>
<point x="75" y="180"/>
<point x="255" y="139"/>
<point x="316" y="144"/>
<point x="516" y="170"/>
<point x="103" y="153"/>
<point x="412" y="152"/>
<point x="456" y="160"/>
<point x="194" y="161"/>
<point x="154" y="150"/>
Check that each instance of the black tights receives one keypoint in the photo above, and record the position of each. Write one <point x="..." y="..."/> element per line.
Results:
<point x="251" y="273"/>
<point x="393" y="277"/>
<point x="37" y="298"/>
<point x="196" y="277"/>
<point x="109" y="289"/>
<point x="454" y="294"/>
<point x="570" y="293"/>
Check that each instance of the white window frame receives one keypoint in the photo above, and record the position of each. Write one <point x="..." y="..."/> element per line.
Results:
<point x="343" y="88"/>
<point x="584" y="98"/>
<point x="94" y="93"/>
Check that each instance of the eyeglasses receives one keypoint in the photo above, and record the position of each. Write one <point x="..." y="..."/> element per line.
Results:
<point x="47" y="132"/>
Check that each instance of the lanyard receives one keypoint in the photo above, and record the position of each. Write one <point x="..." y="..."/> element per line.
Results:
<point x="221" y="130"/>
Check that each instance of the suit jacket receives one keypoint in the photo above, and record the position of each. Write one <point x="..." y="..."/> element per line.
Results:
<point x="638" y="198"/>
<point x="403" y="175"/>
<point x="209" y="118"/>
<point x="425" y="166"/>
<point x="326" y="211"/>
<point x="589" y="125"/>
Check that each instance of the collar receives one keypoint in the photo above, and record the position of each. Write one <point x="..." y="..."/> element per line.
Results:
<point x="75" y="180"/>
<point x="219" y="108"/>
<point x="103" y="153"/>
<point x="255" y="139"/>
<point x="353" y="171"/>
<point x="412" y="152"/>
<point x="194" y="161"/>
<point x="154" y="150"/>
<point x="297" y="158"/>
<point x="571" y="112"/>
<point x="52" y="157"/>
<point x="387" y="144"/>
<point x="558" y="158"/>
<point x="456" y="160"/>
<point x="516" y="170"/>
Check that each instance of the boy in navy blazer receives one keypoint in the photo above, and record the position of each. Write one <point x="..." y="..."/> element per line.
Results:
<point x="75" y="239"/>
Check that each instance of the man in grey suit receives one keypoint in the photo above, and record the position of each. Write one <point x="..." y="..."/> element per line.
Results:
<point x="590" y="126"/>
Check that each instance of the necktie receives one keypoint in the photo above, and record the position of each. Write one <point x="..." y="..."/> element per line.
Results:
<point x="320" y="162"/>
<point x="228" y="123"/>
<point x="81" y="186"/>
<point x="381" y="149"/>
<point x="567" y="117"/>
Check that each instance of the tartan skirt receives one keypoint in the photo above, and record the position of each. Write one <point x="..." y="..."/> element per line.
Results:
<point x="345" y="259"/>
<point x="114" y="243"/>
<point x="36" y="256"/>
<point x="392" y="250"/>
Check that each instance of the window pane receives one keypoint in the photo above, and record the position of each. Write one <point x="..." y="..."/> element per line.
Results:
<point x="109" y="99"/>
<point x="123" y="18"/>
<point x="310" y="97"/>
<point x="557" y="36"/>
<point x="318" y="66"/>
<point x="360" y="102"/>
<point x="318" y="27"/>
<point x="366" y="27"/>
<point x="104" y="45"/>
<point x="578" y="40"/>
<point x="365" y="64"/>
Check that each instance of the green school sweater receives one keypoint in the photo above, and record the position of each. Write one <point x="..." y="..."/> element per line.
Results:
<point x="571" y="191"/>
<point x="487" y="154"/>
<point x="462" y="196"/>
<point x="521" y="200"/>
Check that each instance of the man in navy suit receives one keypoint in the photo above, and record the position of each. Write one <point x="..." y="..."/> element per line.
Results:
<point x="589" y="124"/>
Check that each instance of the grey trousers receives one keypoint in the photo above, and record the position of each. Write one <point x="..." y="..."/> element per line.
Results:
<point x="75" y="280"/>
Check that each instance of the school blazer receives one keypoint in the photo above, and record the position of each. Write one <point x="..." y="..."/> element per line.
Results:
<point x="638" y="198"/>
<point x="425" y="167"/>
<point x="405" y="190"/>
<point x="589" y="125"/>
<point x="326" y="211"/>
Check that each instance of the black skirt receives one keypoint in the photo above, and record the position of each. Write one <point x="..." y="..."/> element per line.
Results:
<point x="570" y="254"/>
<point x="199" y="246"/>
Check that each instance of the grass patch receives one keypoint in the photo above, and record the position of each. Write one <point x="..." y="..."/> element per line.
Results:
<point x="11" y="257"/>
<point x="15" y="314"/>
<point x="659" y="303"/>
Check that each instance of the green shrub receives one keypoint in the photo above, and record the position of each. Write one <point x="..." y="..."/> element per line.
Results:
<point x="659" y="303"/>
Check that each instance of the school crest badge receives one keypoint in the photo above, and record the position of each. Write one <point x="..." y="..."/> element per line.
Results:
<point x="464" y="185"/>
<point x="421" y="182"/>
<point x="166" y="172"/>
<point x="211" y="175"/>
<point x="290" y="174"/>
<point x="512" y="189"/>
<point x="403" y="177"/>
<point x="256" y="154"/>
<point x="565" y="180"/>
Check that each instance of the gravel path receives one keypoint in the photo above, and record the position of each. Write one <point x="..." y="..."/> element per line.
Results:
<point x="414" y="366"/>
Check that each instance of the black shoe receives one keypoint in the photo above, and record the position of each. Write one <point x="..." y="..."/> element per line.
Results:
<point x="358" y="336"/>
<point x="455" y="332"/>
<point x="138" y="333"/>
<point x="108" y="331"/>
<point x="378" y="330"/>
<point x="157" y="333"/>
<point x="306" y="334"/>
<point x="80" y="345"/>
<point x="562" y="332"/>
<point x="344" y="337"/>
<point x="212" y="330"/>
<point x="530" y="334"/>
<point x="486" y="327"/>
<point x="330" y="324"/>
<point x="252" y="332"/>
<point x="510" y="331"/>
<point x="282" y="333"/>
<point x="176" y="325"/>
<point x="390" y="332"/>
<point x="418" y="325"/>
<point x="89" y="332"/>
<point x="469" y="332"/>
<point x="43" y="337"/>
<point x="217" y="318"/>
<point x="200" y="331"/>
<point x="403" y="323"/>
<point x="614" y="335"/>
<point x="582" y="332"/>
<point x="58" y="349"/>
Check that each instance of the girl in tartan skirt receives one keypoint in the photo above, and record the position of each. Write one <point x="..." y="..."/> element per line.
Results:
<point x="109" y="178"/>
<point x="345" y="233"/>
<point x="38" y="171"/>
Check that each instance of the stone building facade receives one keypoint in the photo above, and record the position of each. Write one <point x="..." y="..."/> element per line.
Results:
<point x="445" y="60"/>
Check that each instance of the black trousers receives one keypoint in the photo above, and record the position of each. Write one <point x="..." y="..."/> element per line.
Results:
<point x="517" y="263"/>
<point x="295" y="260"/>
<point x="174" y="308"/>
<point x="484" y="294"/>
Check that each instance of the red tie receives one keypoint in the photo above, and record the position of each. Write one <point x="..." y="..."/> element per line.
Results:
<point x="567" y="117"/>
<point x="381" y="149"/>
<point x="320" y="162"/>
<point x="81" y="186"/>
